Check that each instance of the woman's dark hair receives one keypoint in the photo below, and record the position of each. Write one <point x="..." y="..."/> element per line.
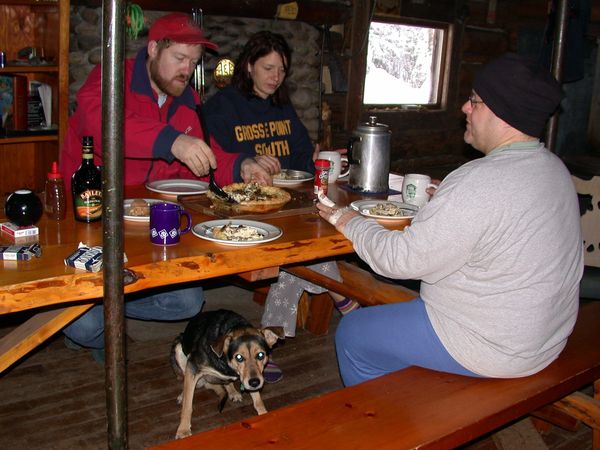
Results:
<point x="261" y="44"/>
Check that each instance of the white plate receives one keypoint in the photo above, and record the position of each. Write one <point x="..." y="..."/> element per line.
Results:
<point x="269" y="232"/>
<point x="127" y="204"/>
<point x="292" y="177"/>
<point x="363" y="206"/>
<point x="178" y="187"/>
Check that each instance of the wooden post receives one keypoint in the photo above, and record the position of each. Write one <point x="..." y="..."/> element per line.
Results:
<point x="327" y="137"/>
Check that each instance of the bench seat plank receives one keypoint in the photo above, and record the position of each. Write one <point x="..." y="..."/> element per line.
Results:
<point x="36" y="330"/>
<point x="414" y="407"/>
<point x="357" y="284"/>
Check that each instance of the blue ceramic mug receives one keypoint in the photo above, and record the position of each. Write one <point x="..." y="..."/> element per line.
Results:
<point x="165" y="223"/>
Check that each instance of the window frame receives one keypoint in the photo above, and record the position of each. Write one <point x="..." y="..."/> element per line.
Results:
<point x="445" y="58"/>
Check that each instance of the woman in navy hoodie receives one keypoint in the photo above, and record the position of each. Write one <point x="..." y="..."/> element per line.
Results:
<point x="255" y="117"/>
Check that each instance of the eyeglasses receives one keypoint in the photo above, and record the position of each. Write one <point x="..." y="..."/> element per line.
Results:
<point x="474" y="100"/>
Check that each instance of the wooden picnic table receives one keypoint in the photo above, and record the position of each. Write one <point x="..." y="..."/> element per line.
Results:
<point x="47" y="282"/>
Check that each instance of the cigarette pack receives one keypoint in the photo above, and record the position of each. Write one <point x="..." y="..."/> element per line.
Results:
<point x="25" y="239"/>
<point x="87" y="258"/>
<point x="17" y="231"/>
<point x="20" y="252"/>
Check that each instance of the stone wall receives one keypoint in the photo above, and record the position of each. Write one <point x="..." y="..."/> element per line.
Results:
<point x="229" y="33"/>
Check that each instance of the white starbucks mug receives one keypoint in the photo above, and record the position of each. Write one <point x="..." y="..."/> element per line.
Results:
<point x="335" y="168"/>
<point x="414" y="189"/>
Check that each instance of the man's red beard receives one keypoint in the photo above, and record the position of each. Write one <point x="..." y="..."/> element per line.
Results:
<point x="168" y="87"/>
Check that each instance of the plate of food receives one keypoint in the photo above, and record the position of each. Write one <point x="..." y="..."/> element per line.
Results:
<point x="289" y="177"/>
<point x="252" y="198"/>
<point x="385" y="209"/>
<point x="138" y="209"/>
<point x="178" y="187"/>
<point x="237" y="231"/>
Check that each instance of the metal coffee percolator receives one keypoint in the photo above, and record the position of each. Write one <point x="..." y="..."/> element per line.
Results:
<point x="369" y="157"/>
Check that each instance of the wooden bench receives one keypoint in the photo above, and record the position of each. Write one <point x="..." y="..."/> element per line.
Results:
<point x="36" y="330"/>
<point x="420" y="408"/>
<point x="315" y="311"/>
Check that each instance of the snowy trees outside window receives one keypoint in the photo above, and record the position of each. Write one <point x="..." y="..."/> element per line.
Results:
<point x="403" y="64"/>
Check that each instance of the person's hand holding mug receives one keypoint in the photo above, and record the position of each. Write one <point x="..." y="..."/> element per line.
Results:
<point x="431" y="189"/>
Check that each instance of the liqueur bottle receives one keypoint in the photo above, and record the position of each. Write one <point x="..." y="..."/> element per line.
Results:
<point x="86" y="186"/>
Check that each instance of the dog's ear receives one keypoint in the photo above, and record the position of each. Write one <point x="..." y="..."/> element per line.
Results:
<point x="221" y="343"/>
<point x="271" y="334"/>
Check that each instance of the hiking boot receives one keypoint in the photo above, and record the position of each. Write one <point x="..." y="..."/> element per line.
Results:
<point x="97" y="353"/>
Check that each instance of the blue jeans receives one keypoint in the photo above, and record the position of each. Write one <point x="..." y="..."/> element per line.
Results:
<point x="374" y="341"/>
<point x="164" y="304"/>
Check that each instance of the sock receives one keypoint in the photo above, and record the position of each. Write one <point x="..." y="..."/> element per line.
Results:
<point x="272" y="372"/>
<point x="346" y="305"/>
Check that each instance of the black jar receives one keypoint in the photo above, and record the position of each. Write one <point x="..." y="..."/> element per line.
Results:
<point x="23" y="208"/>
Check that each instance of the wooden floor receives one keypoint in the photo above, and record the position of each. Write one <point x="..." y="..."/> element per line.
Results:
<point x="55" y="399"/>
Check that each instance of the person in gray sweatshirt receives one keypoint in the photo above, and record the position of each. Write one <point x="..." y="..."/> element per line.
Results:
<point x="498" y="249"/>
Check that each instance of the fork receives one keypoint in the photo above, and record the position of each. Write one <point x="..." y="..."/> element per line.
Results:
<point x="216" y="189"/>
<point x="212" y="184"/>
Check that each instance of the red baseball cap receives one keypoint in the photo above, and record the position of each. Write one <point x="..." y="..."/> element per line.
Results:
<point x="178" y="27"/>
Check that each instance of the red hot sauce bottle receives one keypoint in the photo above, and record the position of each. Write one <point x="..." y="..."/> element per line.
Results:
<point x="55" y="202"/>
<point x="321" y="176"/>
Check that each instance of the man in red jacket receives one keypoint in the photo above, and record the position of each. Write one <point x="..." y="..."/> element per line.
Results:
<point x="162" y="134"/>
<point x="162" y="139"/>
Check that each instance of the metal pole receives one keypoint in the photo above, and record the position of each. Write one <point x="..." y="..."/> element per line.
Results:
<point x="198" y="18"/>
<point x="112" y="222"/>
<point x="557" y="68"/>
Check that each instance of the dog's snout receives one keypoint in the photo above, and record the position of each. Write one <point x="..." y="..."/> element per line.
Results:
<point x="254" y="382"/>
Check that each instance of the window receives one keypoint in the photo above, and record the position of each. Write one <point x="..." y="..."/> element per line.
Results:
<point x="405" y="64"/>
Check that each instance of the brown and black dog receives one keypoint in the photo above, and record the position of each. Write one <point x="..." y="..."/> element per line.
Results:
<point x="216" y="349"/>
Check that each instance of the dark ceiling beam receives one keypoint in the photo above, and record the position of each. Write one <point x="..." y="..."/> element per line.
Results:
<point x="310" y="11"/>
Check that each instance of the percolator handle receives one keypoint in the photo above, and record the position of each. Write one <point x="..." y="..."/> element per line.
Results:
<point x="351" y="142"/>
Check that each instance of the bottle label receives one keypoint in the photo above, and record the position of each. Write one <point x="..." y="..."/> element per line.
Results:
<point x="88" y="152"/>
<point x="321" y="176"/>
<point x="88" y="204"/>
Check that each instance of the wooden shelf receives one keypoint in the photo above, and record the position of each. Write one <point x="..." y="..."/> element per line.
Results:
<point x="29" y="69"/>
<point x="43" y="25"/>
<point x="26" y="139"/>
<point x="310" y="11"/>
<point x="31" y="2"/>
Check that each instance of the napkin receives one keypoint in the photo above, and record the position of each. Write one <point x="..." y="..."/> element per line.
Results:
<point x="395" y="183"/>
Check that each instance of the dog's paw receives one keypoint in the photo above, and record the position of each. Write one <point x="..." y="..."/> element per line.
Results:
<point x="261" y="411"/>
<point x="183" y="433"/>
<point x="235" y="396"/>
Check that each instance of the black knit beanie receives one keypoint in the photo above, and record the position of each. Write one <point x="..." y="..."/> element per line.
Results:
<point x="518" y="91"/>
